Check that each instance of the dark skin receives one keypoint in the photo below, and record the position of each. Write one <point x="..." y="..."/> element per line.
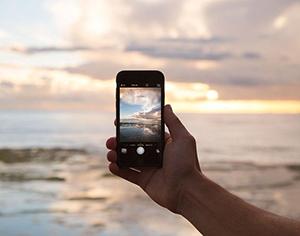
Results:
<point x="181" y="187"/>
<point x="176" y="171"/>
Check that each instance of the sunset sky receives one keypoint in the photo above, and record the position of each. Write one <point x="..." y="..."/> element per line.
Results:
<point x="218" y="56"/>
<point x="140" y="104"/>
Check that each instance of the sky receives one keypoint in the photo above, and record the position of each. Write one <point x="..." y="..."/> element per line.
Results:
<point x="140" y="103"/>
<point x="218" y="56"/>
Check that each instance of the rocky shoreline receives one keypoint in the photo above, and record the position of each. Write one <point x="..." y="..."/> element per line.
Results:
<point x="38" y="154"/>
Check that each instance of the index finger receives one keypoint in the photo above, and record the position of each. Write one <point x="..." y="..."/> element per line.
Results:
<point x="175" y="126"/>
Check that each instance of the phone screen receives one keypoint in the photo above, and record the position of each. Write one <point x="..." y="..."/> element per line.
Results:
<point x="140" y="130"/>
<point x="140" y="114"/>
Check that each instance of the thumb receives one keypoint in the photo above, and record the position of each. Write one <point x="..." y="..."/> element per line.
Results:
<point x="173" y="123"/>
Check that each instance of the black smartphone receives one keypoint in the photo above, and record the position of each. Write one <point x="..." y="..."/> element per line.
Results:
<point x="140" y="120"/>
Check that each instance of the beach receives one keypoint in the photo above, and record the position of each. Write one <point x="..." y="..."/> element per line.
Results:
<point x="71" y="192"/>
<point x="54" y="178"/>
<point x="71" y="71"/>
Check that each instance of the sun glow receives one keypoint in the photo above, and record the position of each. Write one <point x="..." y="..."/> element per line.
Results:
<point x="212" y="95"/>
<point x="57" y="90"/>
<point x="280" y="22"/>
<point x="186" y="91"/>
<point x="239" y="107"/>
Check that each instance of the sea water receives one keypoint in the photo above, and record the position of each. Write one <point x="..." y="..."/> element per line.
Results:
<point x="260" y="138"/>
<point x="91" y="202"/>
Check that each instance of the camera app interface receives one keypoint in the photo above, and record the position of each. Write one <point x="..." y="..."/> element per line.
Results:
<point x="140" y="120"/>
<point x="140" y="114"/>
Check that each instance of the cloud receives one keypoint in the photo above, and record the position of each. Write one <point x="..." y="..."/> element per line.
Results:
<point x="3" y="34"/>
<point x="147" y="99"/>
<point x="33" y="50"/>
<point x="252" y="55"/>
<point x="118" y="22"/>
<point x="235" y="30"/>
<point x="153" y="114"/>
<point x="98" y="69"/>
<point x="232" y="45"/>
<point x="6" y="84"/>
<point x="267" y="92"/>
<point x="197" y="40"/>
<point x="48" y="89"/>
<point x="247" y="81"/>
<point x="29" y="88"/>
<point x="246" y="18"/>
<point x="180" y="91"/>
<point x="190" y="52"/>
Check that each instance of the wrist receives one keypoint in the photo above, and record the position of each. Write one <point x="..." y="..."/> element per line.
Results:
<point x="194" y="181"/>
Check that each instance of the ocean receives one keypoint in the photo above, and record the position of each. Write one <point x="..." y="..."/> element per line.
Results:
<point x="259" y="138"/>
<point x="54" y="178"/>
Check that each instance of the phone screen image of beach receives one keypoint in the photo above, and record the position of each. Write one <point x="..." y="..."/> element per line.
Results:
<point x="140" y="120"/>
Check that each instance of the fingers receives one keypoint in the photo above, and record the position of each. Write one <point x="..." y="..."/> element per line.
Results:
<point x="112" y="156"/>
<point x="111" y="143"/>
<point x="175" y="126"/>
<point x="128" y="174"/>
<point x="140" y="178"/>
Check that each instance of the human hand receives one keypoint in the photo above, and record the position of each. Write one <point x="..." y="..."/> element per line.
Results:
<point x="180" y="165"/>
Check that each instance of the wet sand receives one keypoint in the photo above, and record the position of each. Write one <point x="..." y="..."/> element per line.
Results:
<point x="71" y="192"/>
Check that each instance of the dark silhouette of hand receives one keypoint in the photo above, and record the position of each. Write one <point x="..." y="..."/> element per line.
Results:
<point x="166" y="185"/>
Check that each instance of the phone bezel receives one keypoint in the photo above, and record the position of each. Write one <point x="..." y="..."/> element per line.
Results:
<point x="139" y="77"/>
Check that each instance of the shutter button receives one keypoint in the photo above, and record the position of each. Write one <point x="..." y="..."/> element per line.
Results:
<point x="140" y="150"/>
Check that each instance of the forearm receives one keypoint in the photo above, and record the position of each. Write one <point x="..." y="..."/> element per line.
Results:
<point x="215" y="211"/>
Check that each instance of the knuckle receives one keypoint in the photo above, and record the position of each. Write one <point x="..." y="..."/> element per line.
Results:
<point x="188" y="139"/>
<point x="191" y="139"/>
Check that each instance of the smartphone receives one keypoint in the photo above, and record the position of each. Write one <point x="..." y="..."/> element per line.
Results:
<point x="139" y="118"/>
